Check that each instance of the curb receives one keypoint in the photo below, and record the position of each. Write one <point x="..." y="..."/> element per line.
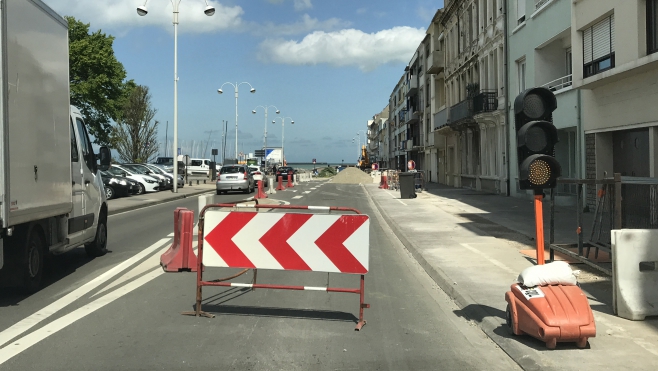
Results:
<point x="470" y="307"/>
<point x="158" y="202"/>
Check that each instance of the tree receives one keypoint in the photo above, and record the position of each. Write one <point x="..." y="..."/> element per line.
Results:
<point x="96" y="79"/>
<point x="135" y="134"/>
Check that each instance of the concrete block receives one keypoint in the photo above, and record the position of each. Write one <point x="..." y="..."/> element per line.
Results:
<point x="635" y="273"/>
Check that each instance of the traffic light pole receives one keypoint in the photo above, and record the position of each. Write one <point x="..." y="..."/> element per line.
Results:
<point x="539" y="225"/>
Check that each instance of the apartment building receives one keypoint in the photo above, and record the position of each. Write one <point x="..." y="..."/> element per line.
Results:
<point x="435" y="98"/>
<point x="615" y="58"/>
<point x="475" y="91"/>
<point x="397" y="132"/>
<point x="377" y="138"/>
<point x="540" y="54"/>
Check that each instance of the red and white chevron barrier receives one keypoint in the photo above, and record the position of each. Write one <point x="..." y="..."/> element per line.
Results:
<point x="332" y="243"/>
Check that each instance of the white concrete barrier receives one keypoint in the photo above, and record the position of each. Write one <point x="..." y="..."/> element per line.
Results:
<point x="271" y="185"/>
<point x="634" y="273"/>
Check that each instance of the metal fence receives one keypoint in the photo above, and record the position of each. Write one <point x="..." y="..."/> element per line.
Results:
<point x="621" y="202"/>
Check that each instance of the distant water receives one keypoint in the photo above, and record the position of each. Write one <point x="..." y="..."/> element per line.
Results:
<point x="308" y="166"/>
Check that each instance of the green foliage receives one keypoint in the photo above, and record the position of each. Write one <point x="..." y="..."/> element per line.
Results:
<point x="97" y="79"/>
<point x="135" y="134"/>
<point x="327" y="172"/>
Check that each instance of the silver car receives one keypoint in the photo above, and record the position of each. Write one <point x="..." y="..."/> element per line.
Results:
<point x="235" y="178"/>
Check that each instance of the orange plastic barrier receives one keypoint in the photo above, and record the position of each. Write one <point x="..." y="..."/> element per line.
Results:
<point x="290" y="185"/>
<point x="280" y="187"/>
<point x="551" y="314"/>
<point x="261" y="193"/>
<point x="180" y="256"/>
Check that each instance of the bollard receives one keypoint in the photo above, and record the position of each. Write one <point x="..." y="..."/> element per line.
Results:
<point x="280" y="187"/>
<point x="197" y="182"/>
<point x="270" y="186"/>
<point x="290" y="185"/>
<point x="190" y="183"/>
<point x="260" y="193"/>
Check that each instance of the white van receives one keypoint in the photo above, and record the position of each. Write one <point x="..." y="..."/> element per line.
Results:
<point x="198" y="166"/>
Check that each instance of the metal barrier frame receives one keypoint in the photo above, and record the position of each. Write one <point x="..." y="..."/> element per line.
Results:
<point x="198" y="312"/>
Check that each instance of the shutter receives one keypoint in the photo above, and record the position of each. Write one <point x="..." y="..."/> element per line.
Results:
<point x="520" y="8"/>
<point x="601" y="39"/>
<point x="612" y="33"/>
<point x="587" y="45"/>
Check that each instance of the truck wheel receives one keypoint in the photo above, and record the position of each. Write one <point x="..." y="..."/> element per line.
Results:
<point x="98" y="247"/>
<point x="109" y="193"/>
<point x="140" y="189"/>
<point x="33" y="261"/>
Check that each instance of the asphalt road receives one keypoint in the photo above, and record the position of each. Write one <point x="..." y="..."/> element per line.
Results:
<point x="121" y="311"/>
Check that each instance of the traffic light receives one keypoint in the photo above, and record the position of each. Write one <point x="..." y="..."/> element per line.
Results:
<point x="536" y="137"/>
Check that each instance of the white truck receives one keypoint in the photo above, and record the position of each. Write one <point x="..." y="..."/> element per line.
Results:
<point x="52" y="198"/>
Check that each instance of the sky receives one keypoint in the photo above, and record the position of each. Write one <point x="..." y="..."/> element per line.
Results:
<point x="329" y="66"/>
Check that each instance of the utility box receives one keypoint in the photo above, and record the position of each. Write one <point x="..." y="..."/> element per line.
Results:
<point x="407" y="185"/>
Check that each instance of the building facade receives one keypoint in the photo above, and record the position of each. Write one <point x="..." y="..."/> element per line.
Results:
<point x="475" y="93"/>
<point x="615" y="58"/>
<point x="540" y="54"/>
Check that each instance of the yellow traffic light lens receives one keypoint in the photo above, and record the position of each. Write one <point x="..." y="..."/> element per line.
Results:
<point x="540" y="172"/>
<point x="533" y="106"/>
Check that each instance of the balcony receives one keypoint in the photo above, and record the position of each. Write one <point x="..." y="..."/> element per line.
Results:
<point x="413" y="86"/>
<point x="540" y="3"/>
<point x="463" y="112"/>
<point x="435" y="62"/>
<point x="559" y="84"/>
<point x="440" y="119"/>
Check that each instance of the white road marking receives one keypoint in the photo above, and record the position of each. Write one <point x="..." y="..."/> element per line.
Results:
<point x="307" y="192"/>
<point x="297" y="197"/>
<point x="35" y="337"/>
<point x="31" y="321"/>
<point x="314" y="188"/>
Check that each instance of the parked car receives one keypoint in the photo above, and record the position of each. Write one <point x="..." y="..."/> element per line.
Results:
<point x="199" y="166"/>
<point x="145" y="183"/>
<point x="258" y="174"/>
<point x="158" y="170"/>
<point x="117" y="186"/>
<point x="283" y="171"/>
<point x="168" y="163"/>
<point x="164" y="181"/>
<point x="235" y="178"/>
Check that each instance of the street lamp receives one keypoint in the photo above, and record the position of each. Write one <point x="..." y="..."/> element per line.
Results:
<point x="265" y="140"/>
<point x="142" y="11"/>
<point x="236" y="86"/>
<point x="283" y="120"/>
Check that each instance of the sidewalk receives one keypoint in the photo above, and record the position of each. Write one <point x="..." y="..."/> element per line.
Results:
<point x="469" y="243"/>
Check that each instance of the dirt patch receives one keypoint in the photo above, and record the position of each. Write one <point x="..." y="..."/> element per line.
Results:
<point x="352" y="175"/>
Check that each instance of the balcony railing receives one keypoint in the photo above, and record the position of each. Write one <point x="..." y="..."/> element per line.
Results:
<point x="540" y="3"/>
<point x="559" y="84"/>
<point x="484" y="101"/>
<point x="435" y="62"/>
<point x="441" y="119"/>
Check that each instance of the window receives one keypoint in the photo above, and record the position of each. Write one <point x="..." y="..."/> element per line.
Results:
<point x="520" y="11"/>
<point x="74" y="146"/>
<point x="85" y="144"/>
<point x="652" y="26"/>
<point x="599" y="47"/>
<point x="521" y="67"/>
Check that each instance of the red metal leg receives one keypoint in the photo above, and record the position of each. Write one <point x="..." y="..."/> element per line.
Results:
<point x="362" y="305"/>
<point x="199" y="278"/>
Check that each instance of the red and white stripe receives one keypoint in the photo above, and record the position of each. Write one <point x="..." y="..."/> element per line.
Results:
<point x="290" y="241"/>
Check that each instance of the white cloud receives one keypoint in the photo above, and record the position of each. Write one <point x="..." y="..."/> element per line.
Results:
<point x="122" y="15"/>
<point x="361" y="10"/>
<point x="305" y="25"/>
<point x="303" y="5"/>
<point x="348" y="47"/>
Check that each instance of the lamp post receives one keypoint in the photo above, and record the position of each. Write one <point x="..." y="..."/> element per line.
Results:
<point x="236" y="86"/>
<point x="142" y="11"/>
<point x="283" y="121"/>
<point x="265" y="135"/>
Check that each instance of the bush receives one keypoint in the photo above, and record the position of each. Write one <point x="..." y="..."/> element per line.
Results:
<point x="327" y="172"/>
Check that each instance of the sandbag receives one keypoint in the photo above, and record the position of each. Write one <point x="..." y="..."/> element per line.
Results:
<point x="555" y="273"/>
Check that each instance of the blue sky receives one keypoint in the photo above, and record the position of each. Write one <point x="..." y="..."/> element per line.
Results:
<point x="328" y="65"/>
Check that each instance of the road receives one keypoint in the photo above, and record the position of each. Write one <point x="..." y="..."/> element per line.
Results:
<point x="121" y="311"/>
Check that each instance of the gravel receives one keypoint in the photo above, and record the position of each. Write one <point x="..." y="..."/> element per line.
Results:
<point x="352" y="175"/>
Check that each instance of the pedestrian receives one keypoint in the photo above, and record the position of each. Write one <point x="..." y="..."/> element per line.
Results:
<point x="274" y="169"/>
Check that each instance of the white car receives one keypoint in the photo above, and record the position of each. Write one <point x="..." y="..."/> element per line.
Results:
<point x="198" y="166"/>
<point x="258" y="174"/>
<point x="145" y="183"/>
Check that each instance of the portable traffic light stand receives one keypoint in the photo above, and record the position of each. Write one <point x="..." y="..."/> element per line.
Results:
<point x="551" y="313"/>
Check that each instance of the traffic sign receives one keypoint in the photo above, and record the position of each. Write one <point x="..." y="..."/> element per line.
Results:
<point x="411" y="165"/>
<point x="304" y="242"/>
<point x="259" y="153"/>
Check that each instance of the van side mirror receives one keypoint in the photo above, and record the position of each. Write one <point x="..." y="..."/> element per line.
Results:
<point x="124" y="174"/>
<point x="105" y="158"/>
